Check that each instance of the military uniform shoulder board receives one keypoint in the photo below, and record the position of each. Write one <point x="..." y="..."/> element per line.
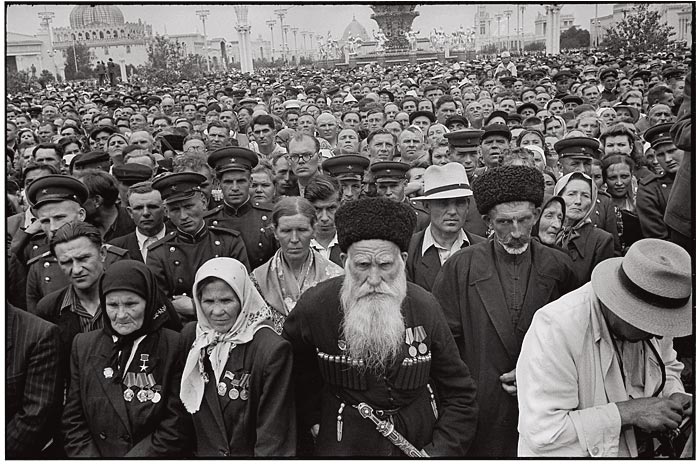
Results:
<point x="650" y="178"/>
<point x="235" y="233"/>
<point x="44" y="255"/>
<point x="262" y="206"/>
<point x="212" y="212"/>
<point x="418" y="206"/>
<point x="116" y="250"/>
<point x="163" y="240"/>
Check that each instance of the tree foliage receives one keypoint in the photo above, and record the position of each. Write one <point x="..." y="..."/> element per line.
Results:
<point x="574" y="38"/>
<point x="82" y="56"/>
<point x="17" y="82"/>
<point x="169" y="62"/>
<point x="45" y="78"/>
<point x="535" y="46"/>
<point x="640" y="31"/>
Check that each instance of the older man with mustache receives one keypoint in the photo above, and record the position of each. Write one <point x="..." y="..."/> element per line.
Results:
<point x="376" y="369"/>
<point x="490" y="291"/>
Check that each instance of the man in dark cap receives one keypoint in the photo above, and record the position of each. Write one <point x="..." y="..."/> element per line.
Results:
<point x="238" y="211"/>
<point x="608" y="77"/>
<point x="562" y="81"/>
<point x="176" y="257"/>
<point x="494" y="141"/>
<point x="571" y="102"/>
<point x="654" y="189"/>
<point x="128" y="175"/>
<point x="371" y="350"/>
<point x="99" y="136"/>
<point x="390" y="178"/>
<point x="349" y="170"/>
<point x="576" y="155"/>
<point x="490" y="291"/>
<point x="98" y="160"/>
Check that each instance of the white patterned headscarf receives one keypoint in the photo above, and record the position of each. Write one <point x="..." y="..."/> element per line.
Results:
<point x="254" y="315"/>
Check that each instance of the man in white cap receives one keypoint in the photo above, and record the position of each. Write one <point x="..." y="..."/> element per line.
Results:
<point x="446" y="197"/>
<point x="506" y="65"/>
<point x="597" y="374"/>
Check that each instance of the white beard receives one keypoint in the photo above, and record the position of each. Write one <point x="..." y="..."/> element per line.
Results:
<point x="373" y="324"/>
<point x="516" y="250"/>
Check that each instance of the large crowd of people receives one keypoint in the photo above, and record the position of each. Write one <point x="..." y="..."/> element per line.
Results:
<point x="486" y="259"/>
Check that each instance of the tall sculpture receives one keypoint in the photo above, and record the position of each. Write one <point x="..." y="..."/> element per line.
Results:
<point x="395" y="21"/>
<point x="243" y="29"/>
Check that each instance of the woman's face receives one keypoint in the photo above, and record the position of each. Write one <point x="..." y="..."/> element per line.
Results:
<point x="116" y="144"/>
<point x="589" y="126"/>
<point x="294" y="234"/>
<point x="551" y="222"/>
<point x="435" y="134"/>
<point x="531" y="139"/>
<point x="608" y="116"/>
<point x="126" y="311"/>
<point x="619" y="178"/>
<point x="555" y="128"/>
<point x="597" y="175"/>
<point x="548" y="184"/>
<point x="577" y="196"/>
<point x="262" y="187"/>
<point x="220" y="305"/>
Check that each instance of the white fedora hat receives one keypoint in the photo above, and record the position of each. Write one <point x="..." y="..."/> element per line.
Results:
<point x="447" y="181"/>
<point x="650" y="288"/>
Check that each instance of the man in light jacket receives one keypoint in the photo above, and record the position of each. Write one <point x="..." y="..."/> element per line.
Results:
<point x="597" y="374"/>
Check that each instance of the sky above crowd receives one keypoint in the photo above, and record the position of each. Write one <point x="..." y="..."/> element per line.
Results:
<point x="319" y="18"/>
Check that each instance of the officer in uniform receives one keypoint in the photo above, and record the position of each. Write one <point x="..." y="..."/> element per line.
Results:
<point x="238" y="212"/>
<point x="43" y="274"/>
<point x="349" y="170"/>
<point x="654" y="189"/>
<point x="584" y="149"/>
<point x="464" y="149"/>
<point x="608" y="92"/>
<point x="175" y="258"/>
<point x="390" y="177"/>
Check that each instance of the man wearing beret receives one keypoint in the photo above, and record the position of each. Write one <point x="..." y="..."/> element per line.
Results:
<point x="390" y="178"/>
<point x="176" y="257"/>
<point x="238" y="211"/>
<point x="373" y="352"/>
<point x="654" y="189"/>
<point x="490" y="291"/>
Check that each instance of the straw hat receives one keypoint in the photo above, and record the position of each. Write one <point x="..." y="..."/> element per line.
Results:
<point x="448" y="181"/>
<point x="650" y="288"/>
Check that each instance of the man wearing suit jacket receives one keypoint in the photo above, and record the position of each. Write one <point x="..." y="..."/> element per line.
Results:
<point x="32" y="384"/>
<point x="324" y="193"/>
<point x="490" y="292"/>
<point x="146" y="210"/>
<point x="446" y="198"/>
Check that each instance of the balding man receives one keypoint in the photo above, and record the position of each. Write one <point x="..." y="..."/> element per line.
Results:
<point x="411" y="141"/>
<point x="143" y="139"/>
<point x="327" y="127"/>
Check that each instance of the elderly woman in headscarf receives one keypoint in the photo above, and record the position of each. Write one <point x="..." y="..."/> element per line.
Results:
<point x="123" y="398"/>
<point x="586" y="244"/>
<point x="237" y="377"/>
<point x="295" y="267"/>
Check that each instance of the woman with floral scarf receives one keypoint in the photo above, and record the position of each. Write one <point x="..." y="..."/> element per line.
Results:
<point x="586" y="244"/>
<point x="237" y="377"/>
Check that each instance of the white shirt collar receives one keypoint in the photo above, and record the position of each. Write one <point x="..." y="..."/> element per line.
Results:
<point x="141" y="238"/>
<point x="429" y="240"/>
<point x="318" y="247"/>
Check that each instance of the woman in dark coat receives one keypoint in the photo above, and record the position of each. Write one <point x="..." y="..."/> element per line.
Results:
<point x="586" y="244"/>
<point x="123" y="399"/>
<point x="237" y="377"/>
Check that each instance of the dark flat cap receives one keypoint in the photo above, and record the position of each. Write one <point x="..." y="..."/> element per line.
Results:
<point x="416" y="114"/>
<point x="496" y="129"/>
<point x="658" y="134"/>
<point x="132" y="173"/>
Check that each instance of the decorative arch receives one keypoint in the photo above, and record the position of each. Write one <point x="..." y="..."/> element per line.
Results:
<point x="115" y="34"/>
<point x="102" y="35"/>
<point x="94" y="35"/>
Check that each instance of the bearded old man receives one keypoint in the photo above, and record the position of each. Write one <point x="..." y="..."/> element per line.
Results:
<point x="490" y="291"/>
<point x="374" y="353"/>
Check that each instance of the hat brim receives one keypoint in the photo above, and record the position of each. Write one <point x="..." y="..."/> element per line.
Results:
<point x="455" y="193"/>
<point x="667" y="322"/>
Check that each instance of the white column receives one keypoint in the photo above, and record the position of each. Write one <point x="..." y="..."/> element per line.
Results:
<point x="548" y="30"/>
<point x="556" y="30"/>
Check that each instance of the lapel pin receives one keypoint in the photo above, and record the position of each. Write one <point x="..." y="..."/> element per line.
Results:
<point x="108" y="372"/>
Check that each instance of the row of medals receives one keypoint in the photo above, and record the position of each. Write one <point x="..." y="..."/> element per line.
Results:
<point x="148" y="390"/>
<point x="234" y="393"/>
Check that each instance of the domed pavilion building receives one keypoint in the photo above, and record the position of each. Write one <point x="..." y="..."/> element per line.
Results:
<point x="102" y="28"/>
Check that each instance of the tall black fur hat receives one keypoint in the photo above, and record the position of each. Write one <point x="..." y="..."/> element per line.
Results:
<point x="508" y="183"/>
<point x="375" y="218"/>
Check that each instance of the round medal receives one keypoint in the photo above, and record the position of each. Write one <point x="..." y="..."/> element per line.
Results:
<point x="422" y="348"/>
<point x="156" y="397"/>
<point x="233" y="394"/>
<point x="412" y="351"/>
<point x="221" y="388"/>
<point x="142" y="396"/>
<point x="244" y="395"/>
<point x="150" y="394"/>
<point x="128" y="394"/>
<point x="342" y="345"/>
